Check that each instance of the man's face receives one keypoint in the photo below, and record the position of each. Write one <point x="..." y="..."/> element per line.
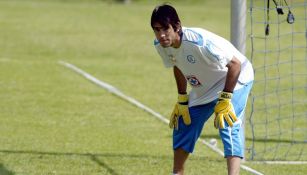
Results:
<point x="166" y="36"/>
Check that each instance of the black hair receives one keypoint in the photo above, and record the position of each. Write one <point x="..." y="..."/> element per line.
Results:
<point x="164" y="15"/>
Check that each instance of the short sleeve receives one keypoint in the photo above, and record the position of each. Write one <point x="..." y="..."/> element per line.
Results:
<point x="218" y="51"/>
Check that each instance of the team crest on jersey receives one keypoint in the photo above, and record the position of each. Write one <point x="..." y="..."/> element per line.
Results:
<point x="193" y="81"/>
<point x="191" y="59"/>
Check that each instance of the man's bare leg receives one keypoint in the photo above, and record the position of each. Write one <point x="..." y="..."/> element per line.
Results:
<point x="233" y="165"/>
<point x="180" y="156"/>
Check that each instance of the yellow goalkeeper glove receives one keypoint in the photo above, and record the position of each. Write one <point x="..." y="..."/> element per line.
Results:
<point x="181" y="109"/>
<point x="224" y="111"/>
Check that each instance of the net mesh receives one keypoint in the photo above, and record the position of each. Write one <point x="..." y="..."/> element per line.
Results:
<point x="277" y="128"/>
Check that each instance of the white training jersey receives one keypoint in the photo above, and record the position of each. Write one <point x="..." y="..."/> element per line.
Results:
<point x="202" y="58"/>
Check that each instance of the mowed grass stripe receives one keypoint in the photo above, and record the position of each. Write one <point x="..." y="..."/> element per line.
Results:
<point x="71" y="118"/>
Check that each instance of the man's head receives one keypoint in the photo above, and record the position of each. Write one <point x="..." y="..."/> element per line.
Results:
<point x="166" y="25"/>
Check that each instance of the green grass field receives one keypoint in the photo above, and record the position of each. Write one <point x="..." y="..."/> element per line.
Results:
<point x="53" y="121"/>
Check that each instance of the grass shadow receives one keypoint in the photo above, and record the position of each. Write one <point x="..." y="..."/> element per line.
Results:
<point x="4" y="171"/>
<point x="95" y="157"/>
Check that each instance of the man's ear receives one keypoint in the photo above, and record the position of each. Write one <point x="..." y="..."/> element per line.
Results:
<point x="178" y="27"/>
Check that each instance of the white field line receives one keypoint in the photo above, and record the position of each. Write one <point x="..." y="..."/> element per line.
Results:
<point x="117" y="92"/>
<point x="281" y="162"/>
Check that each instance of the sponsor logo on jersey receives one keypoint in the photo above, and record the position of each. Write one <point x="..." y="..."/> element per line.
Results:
<point x="191" y="59"/>
<point x="193" y="81"/>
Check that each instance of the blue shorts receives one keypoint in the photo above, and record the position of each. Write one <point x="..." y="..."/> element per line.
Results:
<point x="232" y="137"/>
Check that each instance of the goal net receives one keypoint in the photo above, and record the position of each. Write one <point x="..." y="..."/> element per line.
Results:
<point x="276" y="128"/>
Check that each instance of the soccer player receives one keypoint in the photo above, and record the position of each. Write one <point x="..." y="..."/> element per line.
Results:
<point x="220" y="78"/>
